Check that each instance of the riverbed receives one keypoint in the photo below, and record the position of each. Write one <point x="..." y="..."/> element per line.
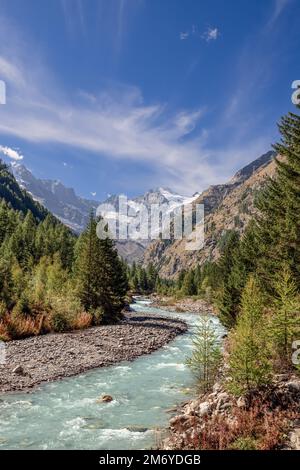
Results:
<point x="66" y="414"/>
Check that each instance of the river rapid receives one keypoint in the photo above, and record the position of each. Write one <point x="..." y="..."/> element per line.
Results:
<point x="65" y="414"/>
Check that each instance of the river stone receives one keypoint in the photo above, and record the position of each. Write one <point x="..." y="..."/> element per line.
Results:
<point x="241" y="402"/>
<point x="204" y="408"/>
<point x="136" y="429"/>
<point x="222" y="399"/>
<point x="217" y="387"/>
<point x="105" y="399"/>
<point x="18" y="370"/>
<point x="294" y="386"/>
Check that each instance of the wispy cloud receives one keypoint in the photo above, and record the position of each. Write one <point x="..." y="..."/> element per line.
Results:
<point x="11" y="153"/>
<point x="211" y="34"/>
<point x="114" y="123"/>
<point x="184" y="35"/>
<point x="73" y="11"/>
<point x="278" y="8"/>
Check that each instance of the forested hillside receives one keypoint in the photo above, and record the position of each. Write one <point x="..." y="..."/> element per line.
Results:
<point x="50" y="280"/>
<point x="255" y="283"/>
<point x="18" y="198"/>
<point x="228" y="206"/>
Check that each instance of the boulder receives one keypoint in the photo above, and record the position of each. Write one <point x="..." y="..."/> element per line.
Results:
<point x="217" y="387"/>
<point x="293" y="386"/>
<point x="241" y="402"/>
<point x="204" y="409"/>
<point x="294" y="438"/>
<point x="18" y="370"/>
<point x="222" y="398"/>
<point x="137" y="429"/>
<point x="105" y="399"/>
<point x="225" y="406"/>
<point x="178" y="422"/>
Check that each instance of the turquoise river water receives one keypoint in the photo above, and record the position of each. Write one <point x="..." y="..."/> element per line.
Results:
<point x="65" y="414"/>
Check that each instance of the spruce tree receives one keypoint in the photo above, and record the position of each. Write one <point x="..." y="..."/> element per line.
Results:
<point x="100" y="275"/>
<point x="278" y="225"/>
<point x="88" y="268"/>
<point x="228" y="296"/>
<point x="188" y="286"/>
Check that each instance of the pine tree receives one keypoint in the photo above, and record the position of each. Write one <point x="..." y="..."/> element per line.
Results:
<point x="228" y="297"/>
<point x="188" y="286"/>
<point x="6" y="283"/>
<point x="100" y="276"/>
<point x="206" y="356"/>
<point x="143" y="281"/>
<point x="248" y="349"/>
<point x="278" y="225"/>
<point x="113" y="281"/>
<point x="88" y="266"/>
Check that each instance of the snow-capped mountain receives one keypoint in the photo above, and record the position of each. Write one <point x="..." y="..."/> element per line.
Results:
<point x="74" y="210"/>
<point x="137" y="212"/>
<point x="63" y="202"/>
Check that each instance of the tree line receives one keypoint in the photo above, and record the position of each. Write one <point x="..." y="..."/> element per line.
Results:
<point x="50" y="279"/>
<point x="255" y="284"/>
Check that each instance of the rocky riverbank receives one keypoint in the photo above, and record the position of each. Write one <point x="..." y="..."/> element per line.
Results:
<point x="220" y="421"/>
<point x="188" y="304"/>
<point x="34" y="360"/>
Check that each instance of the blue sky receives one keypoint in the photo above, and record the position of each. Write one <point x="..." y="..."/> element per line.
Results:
<point x="117" y="96"/>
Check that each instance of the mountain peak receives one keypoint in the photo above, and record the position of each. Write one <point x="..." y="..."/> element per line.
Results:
<point x="249" y="169"/>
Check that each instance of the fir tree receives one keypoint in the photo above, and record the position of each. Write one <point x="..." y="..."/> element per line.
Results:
<point x="188" y="286"/>
<point x="88" y="268"/>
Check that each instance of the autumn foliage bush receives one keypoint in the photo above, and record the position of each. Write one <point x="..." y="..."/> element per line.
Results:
<point x="258" y="427"/>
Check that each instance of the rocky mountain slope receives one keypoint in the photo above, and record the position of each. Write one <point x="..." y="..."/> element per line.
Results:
<point x="74" y="211"/>
<point x="227" y="206"/>
<point x="18" y="198"/>
<point x="71" y="209"/>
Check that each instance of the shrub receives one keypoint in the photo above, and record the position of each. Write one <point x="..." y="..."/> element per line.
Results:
<point x="97" y="315"/>
<point x="23" y="306"/>
<point x="244" y="443"/>
<point x="59" y="322"/>
<point x="258" y="427"/>
<point x="22" y="327"/>
<point x="3" y="310"/>
<point x="4" y="333"/>
<point x="82" y="321"/>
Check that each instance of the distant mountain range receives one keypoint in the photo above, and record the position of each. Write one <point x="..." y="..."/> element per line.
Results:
<point x="74" y="210"/>
<point x="227" y="206"/>
<point x="71" y="209"/>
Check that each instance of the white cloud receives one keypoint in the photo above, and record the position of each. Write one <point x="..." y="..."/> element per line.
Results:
<point x="11" y="153"/>
<point x="211" y="34"/>
<point x="184" y="35"/>
<point x="115" y="123"/>
<point x="278" y="7"/>
<point x="94" y="194"/>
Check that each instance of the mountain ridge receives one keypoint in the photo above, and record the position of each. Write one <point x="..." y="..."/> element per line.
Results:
<point x="227" y="206"/>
